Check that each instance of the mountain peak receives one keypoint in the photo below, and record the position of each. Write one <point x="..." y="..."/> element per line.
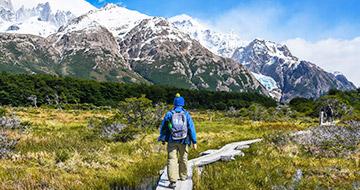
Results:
<point x="119" y="20"/>
<point x="186" y="22"/>
<point x="181" y="17"/>
<point x="39" y="17"/>
<point x="260" y="47"/>
<point x="223" y="44"/>
<point x="76" y="7"/>
<point x="294" y="77"/>
<point x="6" y="4"/>
<point x="109" y="6"/>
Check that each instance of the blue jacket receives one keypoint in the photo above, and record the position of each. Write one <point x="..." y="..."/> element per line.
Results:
<point x="165" y="134"/>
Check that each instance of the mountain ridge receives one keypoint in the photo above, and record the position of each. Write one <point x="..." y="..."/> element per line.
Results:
<point x="138" y="48"/>
<point x="295" y="77"/>
<point x="105" y="37"/>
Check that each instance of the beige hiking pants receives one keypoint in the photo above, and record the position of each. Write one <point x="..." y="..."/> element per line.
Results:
<point x="177" y="167"/>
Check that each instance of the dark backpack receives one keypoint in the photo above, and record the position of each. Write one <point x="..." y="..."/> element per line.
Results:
<point x="179" y="128"/>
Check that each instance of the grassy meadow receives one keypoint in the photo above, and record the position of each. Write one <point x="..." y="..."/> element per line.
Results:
<point x="60" y="151"/>
<point x="266" y="167"/>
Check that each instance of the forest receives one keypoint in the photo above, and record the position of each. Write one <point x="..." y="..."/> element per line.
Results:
<point x="38" y="90"/>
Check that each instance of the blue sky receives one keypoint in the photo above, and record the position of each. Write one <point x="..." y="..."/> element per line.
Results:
<point x="308" y="19"/>
<point x="325" y="32"/>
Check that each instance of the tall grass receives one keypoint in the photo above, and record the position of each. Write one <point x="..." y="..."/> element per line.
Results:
<point x="59" y="150"/>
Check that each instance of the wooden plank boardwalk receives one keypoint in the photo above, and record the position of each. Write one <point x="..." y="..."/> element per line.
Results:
<point x="227" y="152"/>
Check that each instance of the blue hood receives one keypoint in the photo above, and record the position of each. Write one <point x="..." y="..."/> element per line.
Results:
<point x="179" y="101"/>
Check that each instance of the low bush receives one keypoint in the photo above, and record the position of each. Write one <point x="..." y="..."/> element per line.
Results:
<point x="7" y="145"/>
<point x="62" y="155"/>
<point x="125" y="135"/>
<point x="141" y="113"/>
<point x="134" y="115"/>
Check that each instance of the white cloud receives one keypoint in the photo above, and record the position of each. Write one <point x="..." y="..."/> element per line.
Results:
<point x="251" y="21"/>
<point x="331" y="55"/>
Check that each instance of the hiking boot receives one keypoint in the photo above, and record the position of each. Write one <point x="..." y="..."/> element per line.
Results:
<point x="172" y="185"/>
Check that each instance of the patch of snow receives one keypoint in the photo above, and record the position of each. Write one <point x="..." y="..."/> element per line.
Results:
<point x="77" y="7"/>
<point x="223" y="44"/>
<point x="31" y="26"/>
<point x="40" y="17"/>
<point x="118" y="20"/>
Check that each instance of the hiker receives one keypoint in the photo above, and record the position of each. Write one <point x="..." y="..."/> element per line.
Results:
<point x="178" y="130"/>
<point x="329" y="113"/>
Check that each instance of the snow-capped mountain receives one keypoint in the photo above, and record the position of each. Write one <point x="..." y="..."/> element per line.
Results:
<point x="165" y="55"/>
<point x="116" y="19"/>
<point x="267" y="60"/>
<point x="76" y="7"/>
<point x="39" y="17"/>
<point x="295" y="77"/>
<point x="6" y="4"/>
<point x="223" y="44"/>
<point x="117" y="44"/>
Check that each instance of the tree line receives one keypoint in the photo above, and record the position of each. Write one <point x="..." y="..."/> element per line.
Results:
<point x="40" y="89"/>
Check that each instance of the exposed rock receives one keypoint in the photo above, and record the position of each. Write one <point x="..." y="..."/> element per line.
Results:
<point x="295" y="78"/>
<point x="18" y="50"/>
<point x="13" y="28"/>
<point x="87" y="47"/>
<point x="130" y="50"/>
<point x="164" y="55"/>
<point x="91" y="55"/>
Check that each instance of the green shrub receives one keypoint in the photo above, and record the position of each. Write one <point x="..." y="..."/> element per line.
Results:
<point x="62" y="155"/>
<point x="2" y="111"/>
<point x="140" y="112"/>
<point x="127" y="134"/>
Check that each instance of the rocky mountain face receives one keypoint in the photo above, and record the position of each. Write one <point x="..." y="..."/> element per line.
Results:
<point x="89" y="50"/>
<point x="116" y="44"/>
<point x="296" y="78"/>
<point x="163" y="54"/>
<point x="258" y="56"/>
<point x="22" y="53"/>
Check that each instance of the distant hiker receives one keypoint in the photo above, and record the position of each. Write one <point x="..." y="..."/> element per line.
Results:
<point x="322" y="116"/>
<point x="329" y="113"/>
<point x="326" y="115"/>
<point x="178" y="130"/>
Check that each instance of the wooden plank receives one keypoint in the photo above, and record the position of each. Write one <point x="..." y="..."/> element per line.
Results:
<point x="227" y="152"/>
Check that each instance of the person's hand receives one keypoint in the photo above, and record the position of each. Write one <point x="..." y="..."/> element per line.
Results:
<point x="195" y="146"/>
